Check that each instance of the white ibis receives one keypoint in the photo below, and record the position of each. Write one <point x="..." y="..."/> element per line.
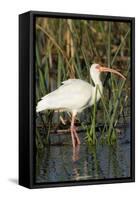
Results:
<point x="74" y="95"/>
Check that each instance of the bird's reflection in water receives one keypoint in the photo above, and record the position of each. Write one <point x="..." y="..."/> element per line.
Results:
<point x="62" y="162"/>
<point x="75" y="158"/>
<point x="76" y="153"/>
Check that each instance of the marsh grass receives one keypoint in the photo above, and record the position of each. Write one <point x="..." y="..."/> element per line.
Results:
<point x="65" y="49"/>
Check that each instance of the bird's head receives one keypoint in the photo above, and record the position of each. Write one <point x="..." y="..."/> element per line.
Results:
<point x="96" y="69"/>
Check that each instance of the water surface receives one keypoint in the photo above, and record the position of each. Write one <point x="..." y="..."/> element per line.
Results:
<point x="60" y="162"/>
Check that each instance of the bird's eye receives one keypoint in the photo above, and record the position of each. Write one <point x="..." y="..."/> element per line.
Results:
<point x="97" y="67"/>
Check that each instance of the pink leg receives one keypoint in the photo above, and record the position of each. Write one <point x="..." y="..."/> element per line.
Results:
<point x="73" y="139"/>
<point x="74" y="134"/>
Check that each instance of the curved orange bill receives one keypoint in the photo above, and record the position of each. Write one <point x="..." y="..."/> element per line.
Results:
<point x="107" y="69"/>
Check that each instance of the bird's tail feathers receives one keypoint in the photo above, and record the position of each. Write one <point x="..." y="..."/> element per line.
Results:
<point x="48" y="104"/>
<point x="42" y="105"/>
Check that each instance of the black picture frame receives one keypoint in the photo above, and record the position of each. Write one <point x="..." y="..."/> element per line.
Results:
<point x="27" y="102"/>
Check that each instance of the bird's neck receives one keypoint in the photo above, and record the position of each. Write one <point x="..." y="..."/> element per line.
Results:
<point x="98" y="88"/>
<point x="96" y="79"/>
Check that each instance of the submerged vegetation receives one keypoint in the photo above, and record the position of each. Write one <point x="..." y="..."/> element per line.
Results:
<point x="66" y="48"/>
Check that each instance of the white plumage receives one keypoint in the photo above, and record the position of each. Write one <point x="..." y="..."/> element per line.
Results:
<point x="74" y="95"/>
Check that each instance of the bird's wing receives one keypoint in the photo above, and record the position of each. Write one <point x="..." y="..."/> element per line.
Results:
<point x="64" y="83"/>
<point x="73" y="94"/>
<point x="69" y="81"/>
